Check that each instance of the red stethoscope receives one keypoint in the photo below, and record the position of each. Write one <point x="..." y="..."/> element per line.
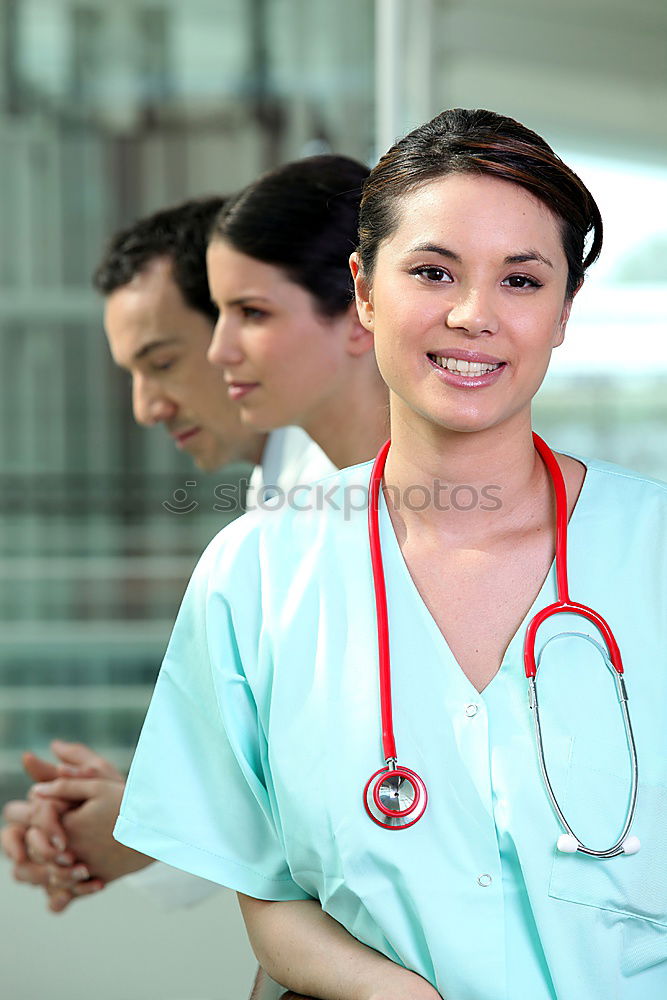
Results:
<point x="395" y="797"/>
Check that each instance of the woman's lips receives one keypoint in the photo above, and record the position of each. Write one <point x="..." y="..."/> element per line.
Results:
<point x="463" y="381"/>
<point x="237" y="390"/>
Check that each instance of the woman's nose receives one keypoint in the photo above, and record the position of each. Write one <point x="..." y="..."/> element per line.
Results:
<point x="473" y="312"/>
<point x="224" y="349"/>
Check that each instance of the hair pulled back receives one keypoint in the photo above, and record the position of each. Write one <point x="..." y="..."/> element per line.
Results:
<point x="480" y="142"/>
<point x="303" y="218"/>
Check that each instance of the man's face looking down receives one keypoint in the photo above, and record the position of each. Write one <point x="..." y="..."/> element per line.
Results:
<point x="162" y="342"/>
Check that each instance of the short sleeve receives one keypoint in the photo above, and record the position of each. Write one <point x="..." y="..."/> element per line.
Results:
<point x="198" y="796"/>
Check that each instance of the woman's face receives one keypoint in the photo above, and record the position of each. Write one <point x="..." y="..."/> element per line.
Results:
<point x="466" y="302"/>
<point x="281" y="358"/>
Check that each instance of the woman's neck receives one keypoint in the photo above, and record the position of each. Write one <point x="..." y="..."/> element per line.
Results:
<point x="352" y="424"/>
<point x="468" y="485"/>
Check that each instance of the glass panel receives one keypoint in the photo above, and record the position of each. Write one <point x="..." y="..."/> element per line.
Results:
<point x="605" y="392"/>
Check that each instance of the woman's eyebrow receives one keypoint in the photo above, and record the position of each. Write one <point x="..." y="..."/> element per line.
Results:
<point x="522" y="258"/>
<point x="243" y="300"/>
<point x="434" y="248"/>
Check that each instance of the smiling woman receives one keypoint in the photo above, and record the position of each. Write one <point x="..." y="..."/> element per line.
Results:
<point x="409" y="629"/>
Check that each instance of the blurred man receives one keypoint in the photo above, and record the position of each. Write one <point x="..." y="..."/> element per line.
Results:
<point x="159" y="319"/>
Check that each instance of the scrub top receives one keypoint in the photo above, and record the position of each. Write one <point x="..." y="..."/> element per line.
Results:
<point x="265" y="727"/>
<point x="290" y="459"/>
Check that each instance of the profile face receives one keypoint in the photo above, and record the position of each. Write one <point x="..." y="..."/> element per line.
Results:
<point x="282" y="359"/>
<point x="162" y="343"/>
<point x="466" y="302"/>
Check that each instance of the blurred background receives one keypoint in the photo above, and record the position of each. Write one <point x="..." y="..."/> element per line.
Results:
<point x="110" y="110"/>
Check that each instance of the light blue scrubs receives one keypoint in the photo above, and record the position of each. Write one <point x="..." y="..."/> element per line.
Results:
<point x="265" y="727"/>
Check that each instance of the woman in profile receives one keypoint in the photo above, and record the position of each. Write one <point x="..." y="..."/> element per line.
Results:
<point x="265" y="736"/>
<point x="288" y="336"/>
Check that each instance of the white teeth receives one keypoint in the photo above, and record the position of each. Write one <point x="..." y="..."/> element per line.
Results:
<point x="470" y="368"/>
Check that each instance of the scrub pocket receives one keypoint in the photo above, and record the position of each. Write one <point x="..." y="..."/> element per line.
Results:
<point x="594" y="803"/>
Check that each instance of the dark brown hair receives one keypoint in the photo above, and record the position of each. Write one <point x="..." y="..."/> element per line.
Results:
<point x="180" y="233"/>
<point x="302" y="218"/>
<point x="481" y="142"/>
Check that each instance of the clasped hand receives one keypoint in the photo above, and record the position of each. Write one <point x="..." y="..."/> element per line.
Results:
<point x="61" y="836"/>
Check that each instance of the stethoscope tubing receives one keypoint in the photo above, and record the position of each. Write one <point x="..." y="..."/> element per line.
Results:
<point x="617" y="848"/>
<point x="382" y="616"/>
<point x="387" y="782"/>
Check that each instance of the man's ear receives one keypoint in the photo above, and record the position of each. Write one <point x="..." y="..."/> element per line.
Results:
<point x="564" y="317"/>
<point x="362" y="294"/>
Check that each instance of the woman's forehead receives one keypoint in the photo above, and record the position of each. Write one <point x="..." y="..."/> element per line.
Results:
<point x="476" y="211"/>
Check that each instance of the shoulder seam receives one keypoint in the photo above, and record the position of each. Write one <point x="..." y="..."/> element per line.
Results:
<point x="634" y="477"/>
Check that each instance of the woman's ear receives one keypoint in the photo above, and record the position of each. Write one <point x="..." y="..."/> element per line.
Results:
<point x="363" y="294"/>
<point x="564" y="317"/>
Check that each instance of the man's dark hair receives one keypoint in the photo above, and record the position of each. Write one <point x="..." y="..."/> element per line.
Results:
<point x="180" y="233"/>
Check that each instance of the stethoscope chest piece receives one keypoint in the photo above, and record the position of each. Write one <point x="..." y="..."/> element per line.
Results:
<point x="395" y="797"/>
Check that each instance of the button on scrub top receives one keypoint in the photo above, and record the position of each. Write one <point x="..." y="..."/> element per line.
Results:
<point x="265" y="726"/>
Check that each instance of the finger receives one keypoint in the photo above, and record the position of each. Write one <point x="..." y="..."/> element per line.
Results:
<point x="62" y="805"/>
<point x="70" y="771"/>
<point x="12" y="839"/>
<point x="31" y="873"/>
<point x="67" y="878"/>
<point x="88" y="888"/>
<point x="38" y="768"/>
<point x="59" y="900"/>
<point x="64" y="860"/>
<point x="69" y="789"/>
<point x="47" y="819"/>
<point x="38" y="847"/>
<point x="17" y="811"/>
<point x="80" y="755"/>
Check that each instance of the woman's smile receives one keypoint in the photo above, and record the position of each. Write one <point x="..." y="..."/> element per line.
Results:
<point x="465" y="369"/>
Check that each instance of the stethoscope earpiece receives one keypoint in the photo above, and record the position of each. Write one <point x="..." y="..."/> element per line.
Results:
<point x="567" y="844"/>
<point x="631" y="845"/>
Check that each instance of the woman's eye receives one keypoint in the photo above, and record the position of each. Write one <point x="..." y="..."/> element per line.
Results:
<point x="520" y="281"/>
<point x="432" y="273"/>
<point x="163" y="366"/>
<point x="251" y="312"/>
